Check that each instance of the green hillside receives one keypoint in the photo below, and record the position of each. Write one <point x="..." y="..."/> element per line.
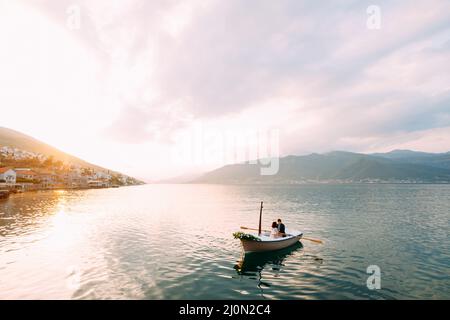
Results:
<point x="342" y="166"/>
<point x="15" y="139"/>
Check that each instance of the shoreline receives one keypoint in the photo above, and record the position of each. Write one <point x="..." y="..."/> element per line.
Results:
<point x="6" y="193"/>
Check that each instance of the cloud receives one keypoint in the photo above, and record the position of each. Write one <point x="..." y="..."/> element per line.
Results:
<point x="225" y="56"/>
<point x="312" y="69"/>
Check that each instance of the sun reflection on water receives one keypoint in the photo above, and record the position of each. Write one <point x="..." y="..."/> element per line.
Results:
<point x="175" y="241"/>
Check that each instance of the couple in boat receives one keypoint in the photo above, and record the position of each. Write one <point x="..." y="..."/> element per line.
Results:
<point x="278" y="229"/>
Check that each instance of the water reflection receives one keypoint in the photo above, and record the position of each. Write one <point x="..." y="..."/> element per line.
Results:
<point x="23" y="214"/>
<point x="138" y="243"/>
<point x="252" y="264"/>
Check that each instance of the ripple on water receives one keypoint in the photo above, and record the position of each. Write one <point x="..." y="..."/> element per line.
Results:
<point x="138" y="243"/>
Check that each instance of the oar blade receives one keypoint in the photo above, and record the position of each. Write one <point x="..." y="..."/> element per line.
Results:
<point x="313" y="240"/>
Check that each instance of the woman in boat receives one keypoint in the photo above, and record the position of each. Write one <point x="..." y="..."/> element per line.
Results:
<point x="274" y="231"/>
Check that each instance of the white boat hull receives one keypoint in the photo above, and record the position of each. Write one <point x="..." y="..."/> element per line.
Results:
<point x="270" y="244"/>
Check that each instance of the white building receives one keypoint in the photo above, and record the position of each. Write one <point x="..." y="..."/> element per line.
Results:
<point x="25" y="173"/>
<point x="7" y="176"/>
<point x="100" y="175"/>
<point x="98" y="184"/>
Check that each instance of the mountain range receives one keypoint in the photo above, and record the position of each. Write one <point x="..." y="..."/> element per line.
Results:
<point x="341" y="167"/>
<point x="333" y="167"/>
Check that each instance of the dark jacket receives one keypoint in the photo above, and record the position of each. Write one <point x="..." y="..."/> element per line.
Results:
<point x="281" y="228"/>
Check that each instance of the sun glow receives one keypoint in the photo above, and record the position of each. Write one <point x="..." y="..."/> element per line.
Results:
<point x="120" y="88"/>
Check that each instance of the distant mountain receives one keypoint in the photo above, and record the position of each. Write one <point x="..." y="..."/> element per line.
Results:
<point x="439" y="160"/>
<point x="15" y="139"/>
<point x="341" y="166"/>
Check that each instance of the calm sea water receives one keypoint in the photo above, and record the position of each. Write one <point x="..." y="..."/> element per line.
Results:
<point x="175" y="242"/>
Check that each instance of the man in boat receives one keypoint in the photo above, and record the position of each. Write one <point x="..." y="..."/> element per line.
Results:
<point x="281" y="228"/>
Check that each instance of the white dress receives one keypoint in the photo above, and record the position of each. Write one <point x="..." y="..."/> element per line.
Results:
<point x="274" y="233"/>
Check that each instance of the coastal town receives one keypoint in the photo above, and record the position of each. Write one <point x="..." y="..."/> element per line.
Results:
<point x="22" y="171"/>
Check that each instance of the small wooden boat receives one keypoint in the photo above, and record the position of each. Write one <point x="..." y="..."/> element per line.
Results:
<point x="262" y="240"/>
<point x="266" y="243"/>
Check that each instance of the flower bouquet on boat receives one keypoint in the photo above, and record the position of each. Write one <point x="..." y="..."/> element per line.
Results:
<point x="269" y="240"/>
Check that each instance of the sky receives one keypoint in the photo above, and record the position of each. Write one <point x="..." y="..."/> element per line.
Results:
<point x="157" y="89"/>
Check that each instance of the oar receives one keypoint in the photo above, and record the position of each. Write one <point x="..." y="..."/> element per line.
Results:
<point x="313" y="240"/>
<point x="254" y="229"/>
<point x="310" y="239"/>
